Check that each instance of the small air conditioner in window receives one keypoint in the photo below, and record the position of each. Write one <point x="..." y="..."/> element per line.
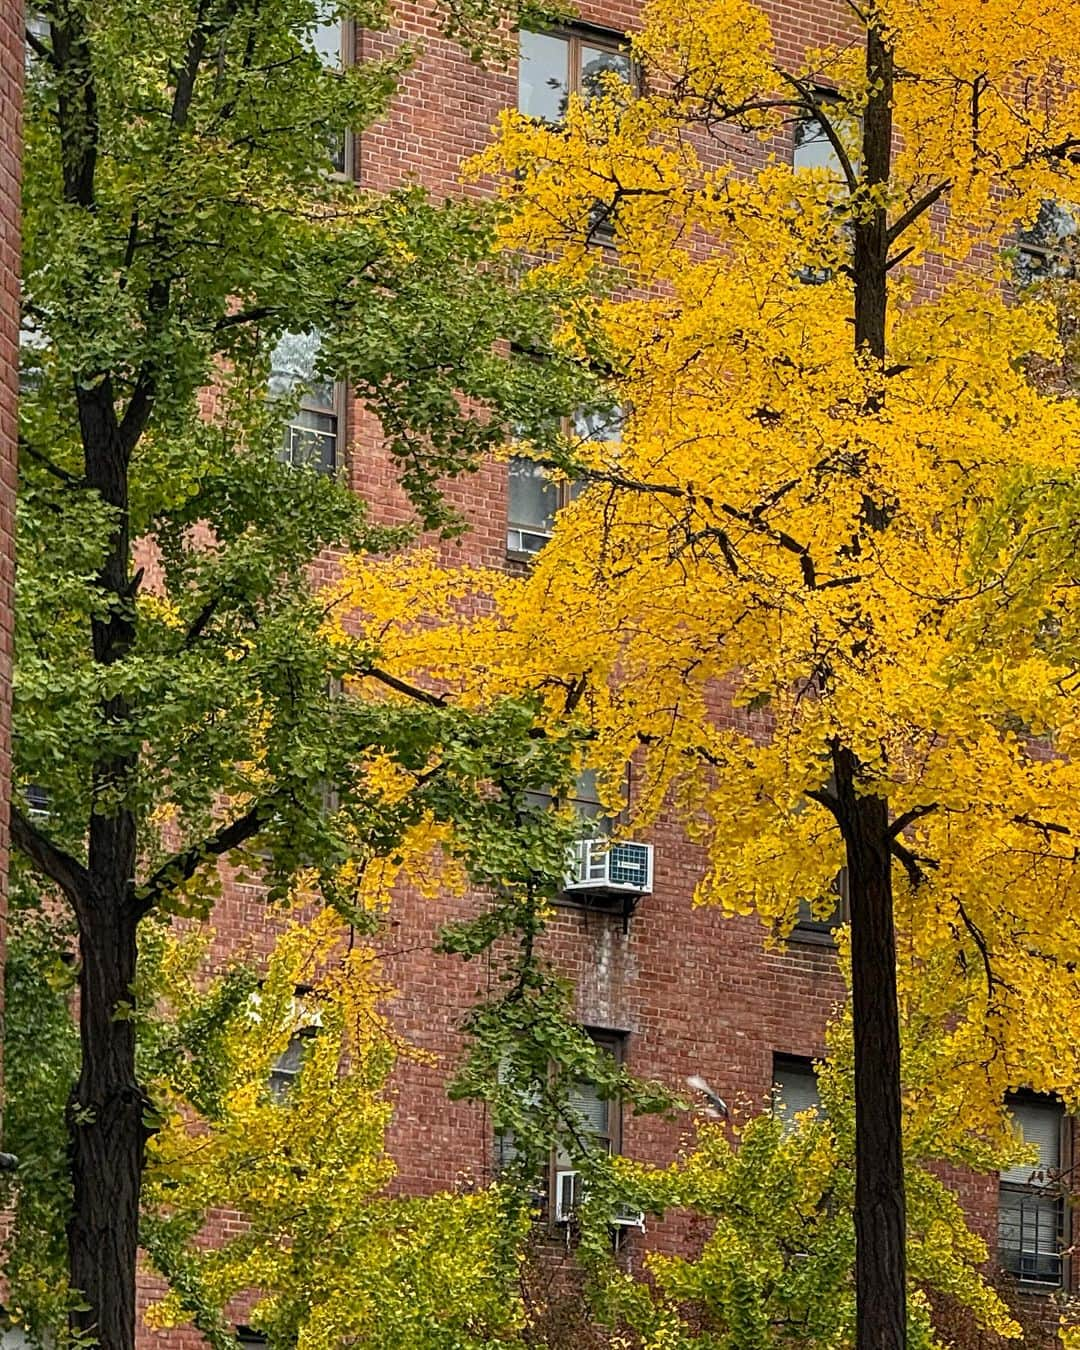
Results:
<point x="604" y="867"/>
<point x="567" y="1195"/>
<point x="569" y="1192"/>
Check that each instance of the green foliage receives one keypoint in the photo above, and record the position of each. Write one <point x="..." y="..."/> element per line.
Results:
<point x="333" y="1256"/>
<point x="776" y="1267"/>
<point x="180" y="692"/>
<point x="40" y="1064"/>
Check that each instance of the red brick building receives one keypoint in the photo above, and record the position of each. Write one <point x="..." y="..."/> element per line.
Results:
<point x="677" y="991"/>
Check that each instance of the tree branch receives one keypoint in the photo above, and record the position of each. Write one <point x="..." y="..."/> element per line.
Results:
<point x="912" y="214"/>
<point x="65" y="476"/>
<point x="815" y="105"/>
<point x="51" y="861"/>
<point x="409" y="690"/>
<point x="182" y="866"/>
<point x="909" y="817"/>
<point x="912" y="863"/>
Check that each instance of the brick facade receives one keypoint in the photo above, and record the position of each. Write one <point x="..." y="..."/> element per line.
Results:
<point x="692" y="991"/>
<point x="11" y="78"/>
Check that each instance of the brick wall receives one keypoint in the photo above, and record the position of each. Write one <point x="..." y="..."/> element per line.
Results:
<point x="694" y="992"/>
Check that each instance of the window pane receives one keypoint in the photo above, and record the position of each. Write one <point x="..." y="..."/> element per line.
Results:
<point x="1045" y="248"/>
<point x="598" y="424"/>
<point x="284" y="1072"/>
<point x="813" y="149"/>
<point x="543" y="75"/>
<point x="595" y="63"/>
<point x="292" y="365"/>
<point x="1030" y="1228"/>
<point x="805" y="918"/>
<point x="533" y="502"/>
<point x="1040" y="1124"/>
<point x="794" y="1089"/>
<point x="585" y="798"/>
<point x="310" y="439"/>
<point x="326" y="37"/>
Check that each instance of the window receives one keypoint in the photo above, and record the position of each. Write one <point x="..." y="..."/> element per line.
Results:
<point x="813" y="150"/>
<point x="38" y="802"/>
<point x="1047" y="249"/>
<point x="552" y="66"/>
<point x="809" y="927"/>
<point x="1031" y="1201"/>
<point x="328" y="39"/>
<point x="534" y="498"/>
<point x="310" y="435"/>
<point x="597" y="1124"/>
<point x="794" y="1087"/>
<point x="283" y="1074"/>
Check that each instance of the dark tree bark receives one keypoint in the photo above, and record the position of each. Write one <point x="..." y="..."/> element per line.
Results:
<point x="107" y="1135"/>
<point x="880" y="1216"/>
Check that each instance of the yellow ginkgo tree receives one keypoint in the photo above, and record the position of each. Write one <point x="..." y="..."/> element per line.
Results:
<point x="273" y="1111"/>
<point x="823" y="588"/>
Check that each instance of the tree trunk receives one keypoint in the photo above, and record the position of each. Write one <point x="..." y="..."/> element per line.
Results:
<point x="880" y="1218"/>
<point x="107" y="1135"/>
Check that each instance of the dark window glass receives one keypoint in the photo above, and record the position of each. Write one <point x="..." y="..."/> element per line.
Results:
<point x="1048" y="247"/>
<point x="823" y="925"/>
<point x="1031" y="1202"/>
<point x="552" y="66"/>
<point x="795" y="1087"/>
<point x="283" y="1074"/>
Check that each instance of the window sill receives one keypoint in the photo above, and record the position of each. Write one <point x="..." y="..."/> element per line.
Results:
<point x="809" y="937"/>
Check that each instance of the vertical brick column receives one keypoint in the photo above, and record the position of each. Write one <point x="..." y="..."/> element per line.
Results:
<point x="12" y="65"/>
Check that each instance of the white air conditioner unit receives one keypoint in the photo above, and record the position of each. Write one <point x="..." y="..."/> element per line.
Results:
<point x="569" y="1192"/>
<point x="605" y="867"/>
<point x="567" y="1195"/>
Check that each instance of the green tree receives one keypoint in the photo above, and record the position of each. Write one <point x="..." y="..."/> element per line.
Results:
<point x="178" y="696"/>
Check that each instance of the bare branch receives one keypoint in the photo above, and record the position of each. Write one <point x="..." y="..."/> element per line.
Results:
<point x="182" y="866"/>
<point x="409" y="690"/>
<point x="52" y="861"/>
<point x="912" y="214"/>
<point x="909" y="817"/>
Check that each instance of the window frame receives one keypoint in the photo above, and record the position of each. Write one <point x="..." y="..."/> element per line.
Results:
<point x="566" y="489"/>
<point x="615" y="1043"/>
<point x="576" y="36"/>
<point x="801" y="1065"/>
<point x="822" y="932"/>
<point x="1056" y="1190"/>
<point x="563" y="497"/>
<point x="337" y="408"/>
<point x="346" y="57"/>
